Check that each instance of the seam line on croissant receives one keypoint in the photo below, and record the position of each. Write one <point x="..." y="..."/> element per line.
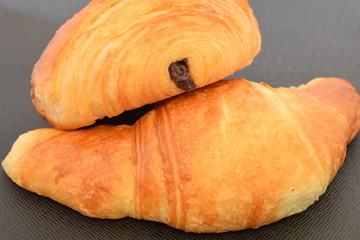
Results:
<point x="170" y="157"/>
<point x="137" y="172"/>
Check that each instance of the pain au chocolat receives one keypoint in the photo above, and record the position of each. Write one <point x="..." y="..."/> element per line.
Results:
<point x="117" y="55"/>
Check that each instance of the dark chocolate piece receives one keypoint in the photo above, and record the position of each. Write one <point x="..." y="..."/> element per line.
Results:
<point x="179" y="73"/>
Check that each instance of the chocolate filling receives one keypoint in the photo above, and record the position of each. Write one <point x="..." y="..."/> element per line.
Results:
<point x="179" y="73"/>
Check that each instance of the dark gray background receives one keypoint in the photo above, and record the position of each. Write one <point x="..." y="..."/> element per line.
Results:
<point x="302" y="39"/>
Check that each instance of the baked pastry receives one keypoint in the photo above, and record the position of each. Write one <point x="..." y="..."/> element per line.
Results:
<point x="229" y="156"/>
<point x="118" y="55"/>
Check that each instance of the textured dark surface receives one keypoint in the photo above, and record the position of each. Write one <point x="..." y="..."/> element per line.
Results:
<point x="302" y="39"/>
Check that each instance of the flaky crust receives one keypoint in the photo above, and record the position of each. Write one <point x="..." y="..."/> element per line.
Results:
<point x="114" y="55"/>
<point x="230" y="156"/>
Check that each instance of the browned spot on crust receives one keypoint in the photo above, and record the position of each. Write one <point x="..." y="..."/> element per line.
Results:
<point x="180" y="74"/>
<point x="37" y="105"/>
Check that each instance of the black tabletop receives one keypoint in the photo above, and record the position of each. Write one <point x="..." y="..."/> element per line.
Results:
<point x="302" y="39"/>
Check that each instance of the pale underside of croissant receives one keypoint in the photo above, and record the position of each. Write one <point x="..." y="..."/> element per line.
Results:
<point x="118" y="55"/>
<point x="230" y="156"/>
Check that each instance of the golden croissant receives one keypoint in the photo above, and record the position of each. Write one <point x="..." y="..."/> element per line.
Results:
<point x="229" y="156"/>
<point x="117" y="55"/>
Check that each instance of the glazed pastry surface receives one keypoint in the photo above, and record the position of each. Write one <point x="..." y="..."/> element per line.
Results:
<point x="117" y="55"/>
<point x="230" y="156"/>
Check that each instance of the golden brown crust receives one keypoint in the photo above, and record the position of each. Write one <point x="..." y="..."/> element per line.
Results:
<point x="115" y="55"/>
<point x="84" y="170"/>
<point x="334" y="92"/>
<point x="230" y="156"/>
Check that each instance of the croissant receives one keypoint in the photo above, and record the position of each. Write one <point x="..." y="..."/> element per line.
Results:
<point x="118" y="55"/>
<point x="230" y="156"/>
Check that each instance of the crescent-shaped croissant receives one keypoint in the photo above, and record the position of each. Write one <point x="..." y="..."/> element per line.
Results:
<point x="230" y="156"/>
<point x="118" y="55"/>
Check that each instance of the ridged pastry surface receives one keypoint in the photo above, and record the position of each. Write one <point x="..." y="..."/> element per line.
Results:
<point x="230" y="156"/>
<point x="115" y="55"/>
